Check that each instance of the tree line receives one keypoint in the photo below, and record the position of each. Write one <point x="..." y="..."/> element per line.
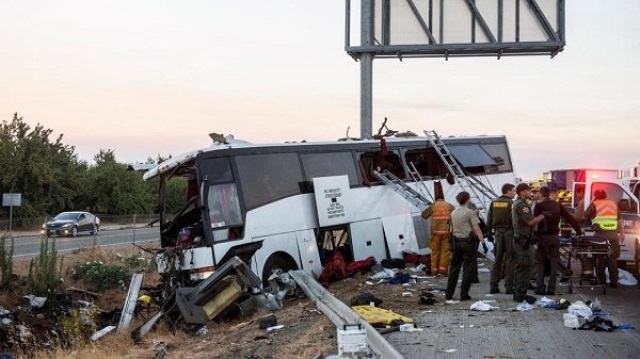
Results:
<point x="51" y="178"/>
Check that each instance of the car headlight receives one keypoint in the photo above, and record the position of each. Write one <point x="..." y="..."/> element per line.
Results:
<point x="66" y="225"/>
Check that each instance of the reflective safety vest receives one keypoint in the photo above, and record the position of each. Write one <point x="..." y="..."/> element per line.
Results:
<point x="606" y="214"/>
<point x="440" y="217"/>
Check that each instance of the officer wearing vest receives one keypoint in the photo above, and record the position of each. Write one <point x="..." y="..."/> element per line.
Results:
<point x="439" y="212"/>
<point x="523" y="223"/>
<point x="500" y="225"/>
<point x="607" y="223"/>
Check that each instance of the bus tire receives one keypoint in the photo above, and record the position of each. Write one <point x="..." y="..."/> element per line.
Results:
<point x="277" y="261"/>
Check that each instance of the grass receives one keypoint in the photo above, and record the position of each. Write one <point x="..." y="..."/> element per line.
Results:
<point x="306" y="333"/>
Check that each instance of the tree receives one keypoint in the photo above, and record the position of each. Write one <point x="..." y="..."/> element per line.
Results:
<point x="116" y="190"/>
<point x="46" y="172"/>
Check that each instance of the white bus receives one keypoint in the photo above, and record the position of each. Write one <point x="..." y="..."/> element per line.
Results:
<point x="290" y="206"/>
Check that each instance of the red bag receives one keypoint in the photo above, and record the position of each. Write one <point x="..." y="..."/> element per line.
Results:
<point x="327" y="273"/>
<point x="339" y="266"/>
<point x="362" y="265"/>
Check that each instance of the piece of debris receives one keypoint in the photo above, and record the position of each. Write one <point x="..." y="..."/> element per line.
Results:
<point x="275" y="328"/>
<point x="366" y="299"/>
<point x="102" y="332"/>
<point x="352" y="342"/>
<point x="267" y="321"/>
<point x="35" y="302"/>
<point x="480" y="306"/>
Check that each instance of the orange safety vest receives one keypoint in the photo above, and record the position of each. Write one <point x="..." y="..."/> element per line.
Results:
<point x="440" y="217"/>
<point x="606" y="214"/>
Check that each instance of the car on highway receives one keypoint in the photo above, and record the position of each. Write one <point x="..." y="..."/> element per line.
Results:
<point x="71" y="223"/>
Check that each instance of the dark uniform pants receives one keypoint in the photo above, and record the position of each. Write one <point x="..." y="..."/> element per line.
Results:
<point x="464" y="255"/>
<point x="612" y="260"/>
<point x="548" y="250"/>
<point x="523" y="268"/>
<point x="504" y="265"/>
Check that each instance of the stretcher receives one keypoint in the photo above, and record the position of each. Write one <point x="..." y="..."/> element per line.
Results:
<point x="586" y="254"/>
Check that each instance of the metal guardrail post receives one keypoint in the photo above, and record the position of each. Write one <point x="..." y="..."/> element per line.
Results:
<point x="130" y="302"/>
<point x="134" y="227"/>
<point x="95" y="231"/>
<point x="340" y="314"/>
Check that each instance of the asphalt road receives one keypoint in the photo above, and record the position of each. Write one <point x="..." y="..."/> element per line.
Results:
<point x="28" y="244"/>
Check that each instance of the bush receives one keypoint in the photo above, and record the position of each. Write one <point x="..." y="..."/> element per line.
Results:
<point x="101" y="276"/>
<point x="45" y="271"/>
<point x="6" y="262"/>
<point x="137" y="262"/>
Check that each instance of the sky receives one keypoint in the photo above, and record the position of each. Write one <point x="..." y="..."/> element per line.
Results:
<point x="155" y="77"/>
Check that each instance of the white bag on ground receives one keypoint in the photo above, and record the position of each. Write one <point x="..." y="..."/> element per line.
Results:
<point x="624" y="277"/>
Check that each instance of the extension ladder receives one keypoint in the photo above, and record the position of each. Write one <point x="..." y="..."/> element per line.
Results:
<point x="467" y="182"/>
<point x="403" y="189"/>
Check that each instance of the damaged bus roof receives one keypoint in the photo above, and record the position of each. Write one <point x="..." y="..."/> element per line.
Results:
<point x="221" y="142"/>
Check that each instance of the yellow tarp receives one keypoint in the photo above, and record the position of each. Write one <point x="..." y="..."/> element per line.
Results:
<point x="374" y="315"/>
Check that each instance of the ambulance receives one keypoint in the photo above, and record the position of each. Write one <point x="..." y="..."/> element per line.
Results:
<point x="631" y="175"/>
<point x="619" y="191"/>
<point x="621" y="186"/>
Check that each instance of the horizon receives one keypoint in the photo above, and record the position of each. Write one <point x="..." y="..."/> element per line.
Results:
<point x="146" y="79"/>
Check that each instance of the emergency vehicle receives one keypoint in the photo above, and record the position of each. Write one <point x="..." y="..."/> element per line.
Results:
<point x="620" y="186"/>
<point x="563" y="180"/>
<point x="631" y="176"/>
<point x="619" y="191"/>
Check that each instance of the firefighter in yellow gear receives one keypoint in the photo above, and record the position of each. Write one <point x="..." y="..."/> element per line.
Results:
<point x="439" y="212"/>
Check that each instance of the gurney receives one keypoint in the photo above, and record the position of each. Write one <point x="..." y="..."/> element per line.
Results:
<point x="587" y="254"/>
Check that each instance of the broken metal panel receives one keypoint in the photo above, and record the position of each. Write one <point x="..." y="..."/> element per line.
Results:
<point x="340" y="314"/>
<point x="102" y="332"/>
<point x="130" y="302"/>
<point x="228" y="283"/>
<point x="138" y="333"/>
<point x="226" y="293"/>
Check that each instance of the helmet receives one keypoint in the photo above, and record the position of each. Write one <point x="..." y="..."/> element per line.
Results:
<point x="599" y="194"/>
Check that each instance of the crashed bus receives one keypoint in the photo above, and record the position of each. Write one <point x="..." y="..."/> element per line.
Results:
<point x="290" y="206"/>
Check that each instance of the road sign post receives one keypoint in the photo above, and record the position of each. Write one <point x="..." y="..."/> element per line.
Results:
<point x="10" y="200"/>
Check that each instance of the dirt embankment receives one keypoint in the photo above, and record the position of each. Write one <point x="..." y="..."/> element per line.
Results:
<point x="306" y="332"/>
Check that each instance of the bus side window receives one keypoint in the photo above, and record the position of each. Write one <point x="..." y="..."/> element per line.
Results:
<point x="379" y="161"/>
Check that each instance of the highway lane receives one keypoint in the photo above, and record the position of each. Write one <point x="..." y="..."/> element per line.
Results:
<point x="28" y="244"/>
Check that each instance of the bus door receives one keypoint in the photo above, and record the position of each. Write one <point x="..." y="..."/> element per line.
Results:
<point x="308" y="249"/>
<point x="368" y="240"/>
<point x="400" y="234"/>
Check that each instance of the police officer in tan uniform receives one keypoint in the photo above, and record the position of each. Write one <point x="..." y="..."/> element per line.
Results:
<point x="466" y="237"/>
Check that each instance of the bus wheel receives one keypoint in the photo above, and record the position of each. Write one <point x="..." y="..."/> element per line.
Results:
<point x="277" y="263"/>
